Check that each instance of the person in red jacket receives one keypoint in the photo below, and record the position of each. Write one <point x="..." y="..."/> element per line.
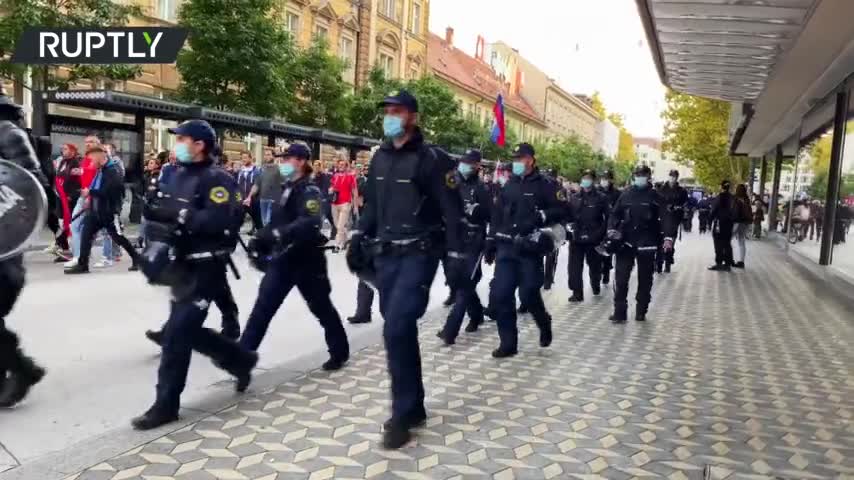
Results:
<point x="87" y="171"/>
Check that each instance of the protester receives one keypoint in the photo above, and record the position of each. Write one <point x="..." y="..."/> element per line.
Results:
<point x="722" y="216"/>
<point x="68" y="190"/>
<point x="268" y="187"/>
<point x="758" y="216"/>
<point x="744" y="218"/>
<point x="323" y="180"/>
<point x="342" y="191"/>
<point x="87" y="172"/>
<point x="245" y="181"/>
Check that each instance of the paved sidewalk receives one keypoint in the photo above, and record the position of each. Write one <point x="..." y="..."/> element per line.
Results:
<point x="742" y="375"/>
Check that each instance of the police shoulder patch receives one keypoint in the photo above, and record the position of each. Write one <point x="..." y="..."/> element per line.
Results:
<point x="219" y="194"/>
<point x="312" y="206"/>
<point x="451" y="179"/>
<point x="561" y="195"/>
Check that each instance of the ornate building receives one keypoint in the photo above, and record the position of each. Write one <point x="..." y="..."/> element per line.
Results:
<point x="399" y="42"/>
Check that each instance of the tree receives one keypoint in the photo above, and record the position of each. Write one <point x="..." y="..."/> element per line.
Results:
<point x="365" y="116"/>
<point x="240" y="57"/>
<point x="570" y="156"/>
<point x="321" y="98"/>
<point x="695" y="131"/>
<point x="626" y="150"/>
<point x="598" y="106"/>
<point x="55" y="14"/>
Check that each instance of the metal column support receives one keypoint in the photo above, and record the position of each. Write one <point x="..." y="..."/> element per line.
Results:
<point x="135" y="215"/>
<point x="833" y="176"/>
<point x="39" y="126"/>
<point x="763" y="175"/>
<point x="271" y="141"/>
<point x="775" y="190"/>
<point x="353" y="154"/>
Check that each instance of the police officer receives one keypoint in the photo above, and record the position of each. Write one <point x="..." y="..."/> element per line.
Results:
<point x="589" y="220"/>
<point x="364" y="292"/>
<point x="704" y="207"/>
<point x="606" y="186"/>
<point x="22" y="371"/>
<point x="722" y="218"/>
<point x="201" y="207"/>
<point x="503" y="174"/>
<point x="412" y="218"/>
<point x="527" y="203"/>
<point x="675" y="199"/>
<point x="478" y="207"/>
<point x="553" y="256"/>
<point x="637" y="222"/>
<point x="294" y="241"/>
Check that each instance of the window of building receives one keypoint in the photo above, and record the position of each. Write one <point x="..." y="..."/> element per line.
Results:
<point x="414" y="73"/>
<point x="167" y="10"/>
<point x="321" y="32"/>
<point x="387" y="65"/>
<point x="345" y="50"/>
<point x="292" y="23"/>
<point x="416" y="18"/>
<point x="388" y="8"/>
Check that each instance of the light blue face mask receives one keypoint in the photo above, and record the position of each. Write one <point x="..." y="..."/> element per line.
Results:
<point x="393" y="126"/>
<point x="286" y="169"/>
<point x="586" y="183"/>
<point x="465" y="169"/>
<point x="518" y="168"/>
<point x="641" y="182"/>
<point x="182" y="153"/>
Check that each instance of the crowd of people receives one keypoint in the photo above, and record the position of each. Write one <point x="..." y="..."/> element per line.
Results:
<point x="413" y="209"/>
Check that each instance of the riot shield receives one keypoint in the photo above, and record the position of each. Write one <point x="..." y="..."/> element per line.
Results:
<point x="23" y="208"/>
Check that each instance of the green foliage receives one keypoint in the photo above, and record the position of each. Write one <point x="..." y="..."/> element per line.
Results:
<point x="695" y="130"/>
<point x="240" y="58"/>
<point x="570" y="156"/>
<point x="321" y="98"/>
<point x="599" y="106"/>
<point x="20" y="14"/>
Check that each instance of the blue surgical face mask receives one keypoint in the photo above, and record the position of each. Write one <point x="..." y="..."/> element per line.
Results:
<point x="182" y="153"/>
<point x="465" y="169"/>
<point x="393" y="126"/>
<point x="518" y="168"/>
<point x="286" y="169"/>
<point x="605" y="183"/>
<point x="586" y="183"/>
<point x="641" y="182"/>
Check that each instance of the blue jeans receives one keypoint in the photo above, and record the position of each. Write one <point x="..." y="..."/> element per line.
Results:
<point x="77" y="227"/>
<point x="267" y="211"/>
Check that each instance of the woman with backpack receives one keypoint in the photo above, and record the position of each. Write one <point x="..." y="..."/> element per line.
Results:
<point x="743" y="221"/>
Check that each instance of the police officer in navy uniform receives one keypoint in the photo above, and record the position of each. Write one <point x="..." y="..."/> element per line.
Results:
<point x="528" y="202"/>
<point x="477" y="201"/>
<point x="552" y="258"/>
<point x="636" y="223"/>
<point x="589" y="221"/>
<point x="16" y="147"/>
<point x="200" y="210"/>
<point x="413" y="217"/>
<point x="675" y="199"/>
<point x="502" y="176"/>
<point x="606" y="186"/>
<point x="293" y="241"/>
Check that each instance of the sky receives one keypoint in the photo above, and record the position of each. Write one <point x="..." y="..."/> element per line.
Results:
<point x="586" y="45"/>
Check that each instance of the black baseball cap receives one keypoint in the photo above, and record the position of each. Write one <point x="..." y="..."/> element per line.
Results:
<point x="725" y="185"/>
<point x="297" y="150"/>
<point x="608" y="174"/>
<point x="524" y="150"/>
<point x="588" y="173"/>
<point x="674" y="173"/>
<point x="401" y="97"/>
<point x="472" y="156"/>
<point x="642" y="170"/>
<point x="198" y="130"/>
<point x="504" y="167"/>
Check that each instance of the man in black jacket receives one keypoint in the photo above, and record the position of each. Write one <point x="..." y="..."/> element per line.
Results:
<point x="105" y="197"/>
<point x="722" y="216"/>
<point x="589" y="211"/>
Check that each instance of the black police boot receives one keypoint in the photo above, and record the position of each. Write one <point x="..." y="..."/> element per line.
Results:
<point x="576" y="297"/>
<point x="502" y="352"/>
<point x="155" y="336"/>
<point x="450" y="300"/>
<point x="446" y="339"/>
<point x="358" y="319"/>
<point x="134" y="267"/>
<point x="489" y="313"/>
<point x="77" y="270"/>
<point x="546" y="333"/>
<point x="640" y="315"/>
<point x="232" y="333"/>
<point x="606" y="277"/>
<point x="658" y="268"/>
<point x="738" y="265"/>
<point x="473" y="326"/>
<point x="596" y="289"/>
<point x="153" y="418"/>
<point x="667" y="268"/>
<point x="334" y="364"/>
<point x="415" y="421"/>
<point x="619" y="316"/>
<point x="243" y="373"/>
<point x="396" y="437"/>
<point x="522" y="309"/>
<point x="24" y="374"/>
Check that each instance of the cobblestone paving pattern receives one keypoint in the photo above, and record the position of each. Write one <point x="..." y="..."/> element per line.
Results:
<point x="742" y="375"/>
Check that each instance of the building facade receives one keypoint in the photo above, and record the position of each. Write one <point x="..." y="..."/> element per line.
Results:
<point x="649" y="153"/>
<point x="607" y="138"/>
<point x="398" y="40"/>
<point x="564" y="114"/>
<point x="476" y="86"/>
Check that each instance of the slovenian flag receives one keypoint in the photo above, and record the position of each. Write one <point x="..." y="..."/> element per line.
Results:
<point x="498" y="128"/>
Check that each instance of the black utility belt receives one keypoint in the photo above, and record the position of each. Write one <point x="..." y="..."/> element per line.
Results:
<point x="404" y="247"/>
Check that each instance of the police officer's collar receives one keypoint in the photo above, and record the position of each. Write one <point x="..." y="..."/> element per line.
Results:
<point x="535" y="174"/>
<point x="416" y="140"/>
<point x="299" y="181"/>
<point x="207" y="162"/>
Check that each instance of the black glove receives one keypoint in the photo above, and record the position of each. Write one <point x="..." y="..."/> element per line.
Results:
<point x="257" y="255"/>
<point x="490" y="250"/>
<point x="266" y="239"/>
<point x="161" y="213"/>
<point x="357" y="259"/>
<point x="456" y="271"/>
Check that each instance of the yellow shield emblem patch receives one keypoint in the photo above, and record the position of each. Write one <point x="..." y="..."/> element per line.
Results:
<point x="219" y="195"/>
<point x="451" y="179"/>
<point x="312" y="207"/>
<point x="561" y="195"/>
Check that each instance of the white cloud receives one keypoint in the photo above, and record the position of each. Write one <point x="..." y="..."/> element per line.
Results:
<point x="586" y="45"/>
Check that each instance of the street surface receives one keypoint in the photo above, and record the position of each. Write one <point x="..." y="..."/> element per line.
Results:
<point x="740" y="375"/>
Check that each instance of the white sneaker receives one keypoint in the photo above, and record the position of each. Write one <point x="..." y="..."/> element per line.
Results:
<point x="71" y="263"/>
<point x="104" y="264"/>
<point x="50" y="249"/>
